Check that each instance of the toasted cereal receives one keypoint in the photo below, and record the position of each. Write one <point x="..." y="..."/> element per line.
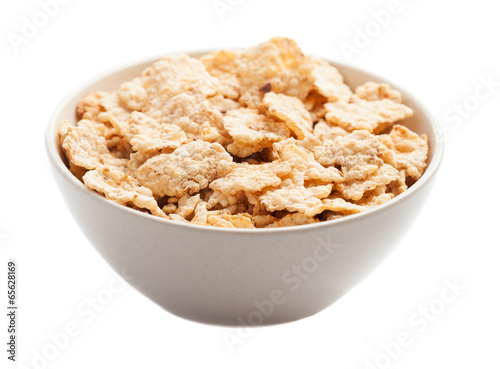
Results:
<point x="225" y="220"/>
<point x="262" y="221"/>
<point x="169" y="208"/>
<point x="222" y="65"/>
<point x="138" y="158"/>
<point x="200" y="214"/>
<point x="335" y="204"/>
<point x="329" y="83"/>
<point x="189" y="169"/>
<point x="220" y="218"/>
<point x="198" y="117"/>
<point x="409" y="150"/>
<point x="149" y="135"/>
<point x="176" y="74"/>
<point x="331" y="215"/>
<point x="221" y="103"/>
<point x="180" y="110"/>
<point x="354" y="189"/>
<point x="114" y="114"/>
<point x="375" y="197"/>
<point x="84" y="147"/>
<point x="358" y="154"/>
<point x="251" y="178"/>
<point x="186" y="205"/>
<point x="223" y="200"/>
<point x="293" y="219"/>
<point x="315" y="105"/>
<point x="121" y="188"/>
<point x="305" y="167"/>
<point x="374" y="116"/>
<point x="294" y="197"/>
<point x="119" y="146"/>
<point x="328" y="131"/>
<point x="291" y="111"/>
<point x="276" y="65"/>
<point x="133" y="95"/>
<point x="252" y="132"/>
<point x="259" y="138"/>
<point x="373" y="91"/>
<point x="90" y="106"/>
<point x="177" y="218"/>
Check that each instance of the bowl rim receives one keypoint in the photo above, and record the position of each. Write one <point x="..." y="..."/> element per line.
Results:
<point x="59" y="165"/>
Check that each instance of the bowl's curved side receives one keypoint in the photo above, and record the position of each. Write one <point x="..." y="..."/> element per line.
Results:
<point x="226" y="278"/>
<point x="233" y="277"/>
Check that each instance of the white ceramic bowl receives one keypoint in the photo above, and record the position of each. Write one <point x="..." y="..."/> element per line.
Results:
<point x="238" y="276"/>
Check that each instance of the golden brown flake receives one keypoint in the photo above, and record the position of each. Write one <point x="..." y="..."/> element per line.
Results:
<point x="90" y="106"/>
<point x="293" y="219"/>
<point x="328" y="131"/>
<point x="223" y="65"/>
<point x="276" y="65"/>
<point x="329" y="83"/>
<point x="176" y="74"/>
<point x="303" y="163"/>
<point x="151" y="136"/>
<point x="133" y="95"/>
<point x="294" y="197"/>
<point x="85" y="148"/>
<point x="409" y="150"/>
<point x="187" y="204"/>
<point x="189" y="169"/>
<point x="290" y="110"/>
<point x="251" y="132"/>
<point x="121" y="188"/>
<point x="373" y="91"/>
<point x="354" y="189"/>
<point x="251" y="178"/>
<point x="374" y="116"/>
<point x="335" y="204"/>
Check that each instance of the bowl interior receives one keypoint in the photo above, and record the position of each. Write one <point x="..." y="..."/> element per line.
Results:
<point x="422" y="121"/>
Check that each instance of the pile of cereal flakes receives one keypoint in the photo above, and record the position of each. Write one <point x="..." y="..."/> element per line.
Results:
<point x="265" y="137"/>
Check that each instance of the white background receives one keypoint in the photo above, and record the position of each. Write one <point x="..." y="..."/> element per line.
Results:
<point x="440" y="51"/>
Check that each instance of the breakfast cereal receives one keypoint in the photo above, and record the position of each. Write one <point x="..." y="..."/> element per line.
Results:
<point x="261" y="138"/>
